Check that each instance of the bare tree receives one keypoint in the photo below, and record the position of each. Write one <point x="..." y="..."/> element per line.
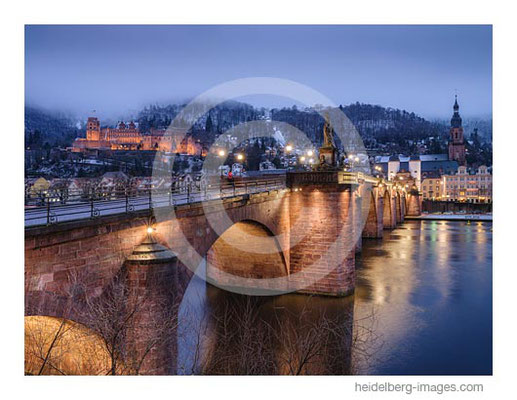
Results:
<point x="130" y="330"/>
<point x="133" y="328"/>
<point x="241" y="335"/>
<point x="122" y="333"/>
<point x="57" y="345"/>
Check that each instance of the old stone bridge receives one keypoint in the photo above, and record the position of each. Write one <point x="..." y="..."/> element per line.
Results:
<point x="302" y="237"/>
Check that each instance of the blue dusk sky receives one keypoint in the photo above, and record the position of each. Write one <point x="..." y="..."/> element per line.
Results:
<point x="118" y="69"/>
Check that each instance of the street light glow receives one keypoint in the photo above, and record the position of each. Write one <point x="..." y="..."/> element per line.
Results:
<point x="310" y="153"/>
<point x="288" y="147"/>
<point x="221" y="153"/>
<point x="240" y="157"/>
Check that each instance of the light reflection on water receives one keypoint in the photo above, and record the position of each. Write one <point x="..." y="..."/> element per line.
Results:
<point x="431" y="284"/>
<point x="423" y="303"/>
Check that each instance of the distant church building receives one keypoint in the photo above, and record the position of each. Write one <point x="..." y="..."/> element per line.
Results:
<point x="428" y="166"/>
<point x="456" y="141"/>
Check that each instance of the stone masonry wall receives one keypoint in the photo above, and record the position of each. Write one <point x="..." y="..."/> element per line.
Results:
<point x="95" y="250"/>
<point x="322" y="239"/>
<point x="373" y="227"/>
<point x="246" y="250"/>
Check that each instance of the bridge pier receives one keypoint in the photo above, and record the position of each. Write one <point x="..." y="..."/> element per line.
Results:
<point x="323" y="241"/>
<point x="153" y="298"/>
<point x="373" y="227"/>
<point x="413" y="203"/>
<point x="404" y="206"/>
<point x="389" y="220"/>
<point x="357" y="216"/>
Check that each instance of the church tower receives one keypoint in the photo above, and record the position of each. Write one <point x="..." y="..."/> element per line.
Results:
<point x="456" y="141"/>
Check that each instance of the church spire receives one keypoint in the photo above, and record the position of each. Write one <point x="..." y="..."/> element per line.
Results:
<point x="456" y="119"/>
<point x="456" y="142"/>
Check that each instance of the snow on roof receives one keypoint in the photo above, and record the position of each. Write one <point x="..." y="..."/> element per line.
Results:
<point x="382" y="159"/>
<point x="403" y="158"/>
<point x="114" y="175"/>
<point x="434" y="157"/>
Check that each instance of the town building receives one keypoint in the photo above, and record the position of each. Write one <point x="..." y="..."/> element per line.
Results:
<point x="418" y="167"/>
<point x="470" y="187"/>
<point x="429" y="166"/>
<point x="432" y="187"/>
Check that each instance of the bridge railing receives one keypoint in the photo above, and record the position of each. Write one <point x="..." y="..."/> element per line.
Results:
<point x="56" y="206"/>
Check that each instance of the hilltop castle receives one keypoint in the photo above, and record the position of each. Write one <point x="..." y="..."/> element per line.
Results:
<point x="127" y="136"/>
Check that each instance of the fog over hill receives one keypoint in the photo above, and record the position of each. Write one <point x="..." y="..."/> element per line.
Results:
<point x="376" y="124"/>
<point x="49" y="127"/>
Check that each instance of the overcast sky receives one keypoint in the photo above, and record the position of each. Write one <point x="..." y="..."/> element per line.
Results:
<point x="118" y="69"/>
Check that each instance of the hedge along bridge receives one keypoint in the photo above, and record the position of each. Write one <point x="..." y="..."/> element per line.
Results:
<point x="312" y="224"/>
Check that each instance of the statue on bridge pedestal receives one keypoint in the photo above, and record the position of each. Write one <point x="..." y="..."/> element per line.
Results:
<point x="328" y="151"/>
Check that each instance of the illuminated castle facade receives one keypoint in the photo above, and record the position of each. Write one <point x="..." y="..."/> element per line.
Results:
<point x="128" y="137"/>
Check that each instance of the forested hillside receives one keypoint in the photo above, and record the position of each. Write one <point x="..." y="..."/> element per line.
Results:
<point x="43" y="128"/>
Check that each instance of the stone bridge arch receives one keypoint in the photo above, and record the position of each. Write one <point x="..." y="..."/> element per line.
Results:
<point x="258" y="255"/>
<point x="191" y="232"/>
<point x="76" y="349"/>
<point x="98" y="248"/>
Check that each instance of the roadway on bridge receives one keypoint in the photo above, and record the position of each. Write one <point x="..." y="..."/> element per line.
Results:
<point x="79" y="210"/>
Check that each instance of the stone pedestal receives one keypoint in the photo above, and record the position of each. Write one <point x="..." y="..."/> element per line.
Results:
<point x="328" y="155"/>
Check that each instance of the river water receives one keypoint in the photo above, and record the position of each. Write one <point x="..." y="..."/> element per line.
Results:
<point x="422" y="305"/>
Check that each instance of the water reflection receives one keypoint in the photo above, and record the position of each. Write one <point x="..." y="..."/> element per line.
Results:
<point x="285" y="335"/>
<point x="433" y="298"/>
<point x="423" y="305"/>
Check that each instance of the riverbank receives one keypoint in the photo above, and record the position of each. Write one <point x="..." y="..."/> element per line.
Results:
<point x="452" y="217"/>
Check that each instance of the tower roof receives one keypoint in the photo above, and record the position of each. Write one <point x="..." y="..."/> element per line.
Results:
<point x="456" y="119"/>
